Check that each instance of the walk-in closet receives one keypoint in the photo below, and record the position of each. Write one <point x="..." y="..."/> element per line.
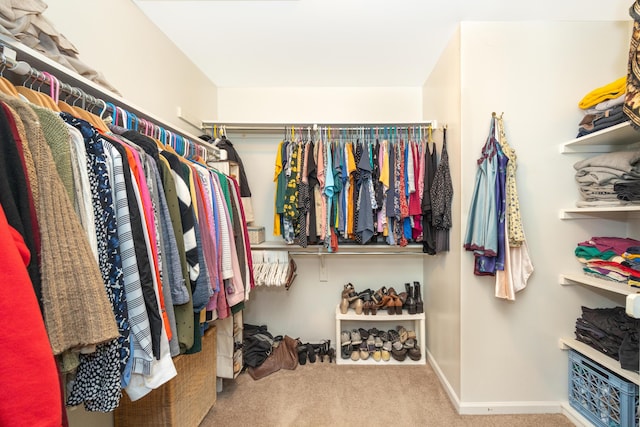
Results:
<point x="320" y="213"/>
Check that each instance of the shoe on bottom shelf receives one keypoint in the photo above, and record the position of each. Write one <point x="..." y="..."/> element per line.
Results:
<point x="356" y="340"/>
<point x="364" y="351"/>
<point x="345" y="338"/>
<point x="345" y="353"/>
<point x="398" y="352"/>
<point x="414" y="353"/>
<point x="377" y="355"/>
<point x="355" y="354"/>
<point x="386" y="351"/>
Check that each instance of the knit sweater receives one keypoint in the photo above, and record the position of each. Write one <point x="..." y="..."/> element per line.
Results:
<point x="77" y="311"/>
<point x="58" y="139"/>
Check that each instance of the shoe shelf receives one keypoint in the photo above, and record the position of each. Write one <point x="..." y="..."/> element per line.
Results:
<point x="381" y="316"/>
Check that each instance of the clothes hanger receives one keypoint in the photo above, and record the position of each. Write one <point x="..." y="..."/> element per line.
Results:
<point x="47" y="101"/>
<point x="5" y="85"/>
<point x="92" y="118"/>
<point x="28" y="92"/>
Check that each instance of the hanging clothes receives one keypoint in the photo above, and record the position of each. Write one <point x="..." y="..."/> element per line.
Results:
<point x="488" y="227"/>
<point x="105" y="217"/>
<point x="340" y="190"/>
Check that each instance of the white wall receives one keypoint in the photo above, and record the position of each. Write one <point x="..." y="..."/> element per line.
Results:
<point x="307" y="309"/>
<point x="441" y="101"/>
<point x="320" y="105"/>
<point x="118" y="40"/>
<point x="534" y="72"/>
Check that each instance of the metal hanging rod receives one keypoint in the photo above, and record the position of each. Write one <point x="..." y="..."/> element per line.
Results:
<point x="86" y="91"/>
<point x="280" y="127"/>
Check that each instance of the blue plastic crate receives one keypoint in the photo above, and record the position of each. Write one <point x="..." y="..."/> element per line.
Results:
<point x="601" y="396"/>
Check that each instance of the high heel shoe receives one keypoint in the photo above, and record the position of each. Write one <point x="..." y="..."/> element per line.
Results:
<point x="366" y="307"/>
<point x="321" y="352"/>
<point x="357" y="305"/>
<point x="379" y="297"/>
<point x="349" y="292"/>
<point x="344" y="305"/>
<point x="394" y="306"/>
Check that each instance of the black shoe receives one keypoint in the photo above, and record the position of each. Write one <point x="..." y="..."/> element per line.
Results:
<point x="418" y="297"/>
<point x="411" y="302"/>
<point x="302" y="354"/>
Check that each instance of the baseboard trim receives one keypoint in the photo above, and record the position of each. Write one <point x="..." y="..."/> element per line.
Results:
<point x="574" y="416"/>
<point x="495" y="408"/>
<point x="445" y="383"/>
<point x="503" y="408"/>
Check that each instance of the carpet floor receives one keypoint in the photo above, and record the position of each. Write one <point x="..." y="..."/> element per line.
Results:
<point x="323" y="394"/>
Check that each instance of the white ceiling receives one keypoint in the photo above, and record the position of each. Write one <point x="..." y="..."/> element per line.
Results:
<point x="350" y="43"/>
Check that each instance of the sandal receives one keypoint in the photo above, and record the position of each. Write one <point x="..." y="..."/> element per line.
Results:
<point x="398" y="352"/>
<point x="403" y="334"/>
<point x="355" y="338"/>
<point x="364" y="352"/>
<point x="414" y="353"/>
<point x="393" y="335"/>
<point x="380" y="297"/>
<point x="386" y="351"/>
<point x="345" y="352"/>
<point x="345" y="338"/>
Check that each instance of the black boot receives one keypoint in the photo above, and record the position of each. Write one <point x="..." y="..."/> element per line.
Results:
<point x="411" y="301"/>
<point x="418" y="298"/>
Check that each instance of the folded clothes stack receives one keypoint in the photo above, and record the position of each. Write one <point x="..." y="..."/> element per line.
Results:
<point x="603" y="107"/>
<point x="612" y="332"/>
<point x="609" y="179"/>
<point x="611" y="258"/>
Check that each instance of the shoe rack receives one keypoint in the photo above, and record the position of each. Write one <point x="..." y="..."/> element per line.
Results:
<point x="390" y="321"/>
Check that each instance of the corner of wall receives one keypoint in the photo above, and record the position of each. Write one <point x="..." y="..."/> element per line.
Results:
<point x="441" y="94"/>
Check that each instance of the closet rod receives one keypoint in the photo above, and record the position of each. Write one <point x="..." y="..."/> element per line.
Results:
<point x="280" y="127"/>
<point x="24" y="60"/>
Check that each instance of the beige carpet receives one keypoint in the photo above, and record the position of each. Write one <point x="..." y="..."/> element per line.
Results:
<point x="323" y="394"/>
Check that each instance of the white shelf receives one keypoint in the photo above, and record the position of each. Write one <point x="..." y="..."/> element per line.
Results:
<point x="343" y="249"/>
<point x="392" y="361"/>
<point x="606" y="361"/>
<point x="382" y="316"/>
<point x="608" y="285"/>
<point x="611" y="212"/>
<point x="606" y="140"/>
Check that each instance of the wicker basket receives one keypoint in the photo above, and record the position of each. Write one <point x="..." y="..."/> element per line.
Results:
<point x="185" y="400"/>
<point x="256" y="235"/>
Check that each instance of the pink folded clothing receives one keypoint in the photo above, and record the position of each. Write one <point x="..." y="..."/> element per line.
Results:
<point x="617" y="244"/>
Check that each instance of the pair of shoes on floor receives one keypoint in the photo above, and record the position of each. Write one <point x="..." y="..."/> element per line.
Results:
<point x="313" y="352"/>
